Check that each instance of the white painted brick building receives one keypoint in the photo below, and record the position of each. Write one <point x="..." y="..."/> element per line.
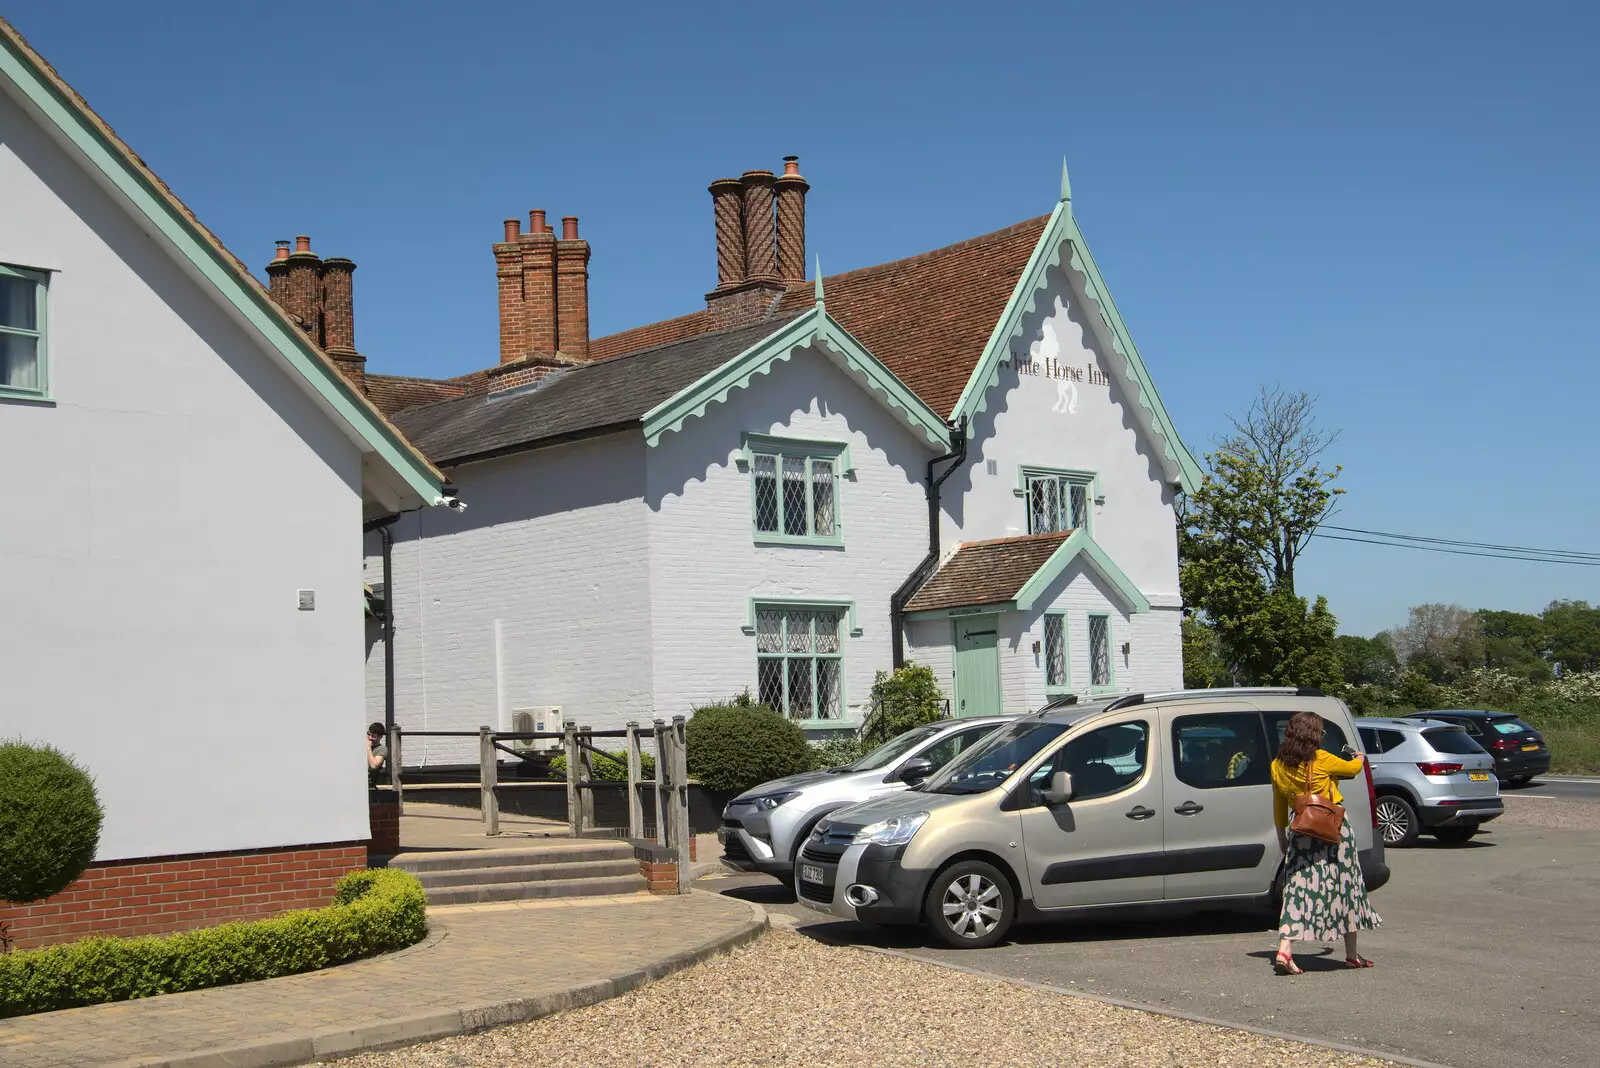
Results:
<point x="740" y="498"/>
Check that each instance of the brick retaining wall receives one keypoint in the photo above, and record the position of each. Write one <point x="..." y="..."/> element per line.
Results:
<point x="159" y="895"/>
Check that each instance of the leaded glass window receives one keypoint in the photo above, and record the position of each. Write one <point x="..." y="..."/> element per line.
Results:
<point x="1099" y="651"/>
<point x="1057" y="502"/>
<point x="795" y="495"/>
<point x="1055" y="651"/>
<point x="798" y="661"/>
<point x="22" y="340"/>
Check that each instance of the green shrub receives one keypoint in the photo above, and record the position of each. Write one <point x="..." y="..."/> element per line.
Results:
<point x="908" y="698"/>
<point x="373" y="912"/>
<point x="49" y="821"/>
<point x="735" y="745"/>
<point x="613" y="768"/>
<point x="843" y="748"/>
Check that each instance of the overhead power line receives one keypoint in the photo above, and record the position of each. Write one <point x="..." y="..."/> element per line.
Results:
<point x="1456" y="547"/>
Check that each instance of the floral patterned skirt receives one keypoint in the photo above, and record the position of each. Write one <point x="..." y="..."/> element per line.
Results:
<point x="1324" y="893"/>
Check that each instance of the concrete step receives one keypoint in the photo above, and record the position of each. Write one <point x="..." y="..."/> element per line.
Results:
<point x="519" y="857"/>
<point x="529" y="873"/>
<point x="546" y="888"/>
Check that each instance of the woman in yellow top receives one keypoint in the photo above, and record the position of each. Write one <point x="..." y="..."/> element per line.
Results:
<point x="1324" y="894"/>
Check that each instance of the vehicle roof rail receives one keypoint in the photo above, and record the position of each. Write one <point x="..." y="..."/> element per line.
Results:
<point x="1125" y="701"/>
<point x="1308" y="691"/>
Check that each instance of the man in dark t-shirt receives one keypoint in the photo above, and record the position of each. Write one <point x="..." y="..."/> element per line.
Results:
<point x="377" y="752"/>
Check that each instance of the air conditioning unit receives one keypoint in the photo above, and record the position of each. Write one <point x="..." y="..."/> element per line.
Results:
<point x="533" y="720"/>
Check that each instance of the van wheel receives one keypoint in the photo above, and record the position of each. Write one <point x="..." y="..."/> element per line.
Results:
<point x="1456" y="835"/>
<point x="970" y="905"/>
<point x="1397" y="821"/>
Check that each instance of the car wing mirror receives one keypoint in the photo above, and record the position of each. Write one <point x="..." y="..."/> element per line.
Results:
<point x="915" y="770"/>
<point x="1059" y="792"/>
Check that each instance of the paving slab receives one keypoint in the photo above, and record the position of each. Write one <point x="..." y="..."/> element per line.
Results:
<point x="480" y="966"/>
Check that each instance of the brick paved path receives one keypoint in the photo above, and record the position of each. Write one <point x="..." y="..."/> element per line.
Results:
<point x="478" y="963"/>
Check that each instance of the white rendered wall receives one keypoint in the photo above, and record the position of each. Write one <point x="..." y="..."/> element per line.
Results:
<point x="160" y="516"/>
<point x="706" y="567"/>
<point x="554" y="546"/>
<point x="1066" y="423"/>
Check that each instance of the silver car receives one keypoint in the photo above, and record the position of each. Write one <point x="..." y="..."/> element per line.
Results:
<point x="1431" y="778"/>
<point x="1146" y="800"/>
<point x="763" y="827"/>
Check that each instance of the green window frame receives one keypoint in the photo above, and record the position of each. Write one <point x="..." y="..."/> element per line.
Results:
<point x="1058" y="498"/>
<point x="24" y="348"/>
<point x="1102" y="664"/>
<point x="1057" y="660"/>
<point x="794" y="489"/>
<point x="800" y="660"/>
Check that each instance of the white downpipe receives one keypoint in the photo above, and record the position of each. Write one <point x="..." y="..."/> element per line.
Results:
<point x="499" y="677"/>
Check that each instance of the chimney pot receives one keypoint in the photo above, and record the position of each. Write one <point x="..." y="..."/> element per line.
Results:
<point x="791" y="165"/>
<point x="536" y="223"/>
<point x="513" y="229"/>
<point x="283" y="251"/>
<point x="302" y="243"/>
<point x="569" y="228"/>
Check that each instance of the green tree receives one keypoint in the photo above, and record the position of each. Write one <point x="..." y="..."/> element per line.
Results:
<point x="1573" y="633"/>
<point x="1241" y="534"/>
<point x="1203" y="664"/>
<point x="910" y="697"/>
<point x="1367" y="661"/>
<point x="1515" y="642"/>
<point x="1441" y="642"/>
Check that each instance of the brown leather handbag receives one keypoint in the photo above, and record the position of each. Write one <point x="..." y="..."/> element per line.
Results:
<point x="1316" y="816"/>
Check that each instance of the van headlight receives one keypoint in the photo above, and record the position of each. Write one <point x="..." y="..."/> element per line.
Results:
<point x="894" y="831"/>
<point x="771" y="801"/>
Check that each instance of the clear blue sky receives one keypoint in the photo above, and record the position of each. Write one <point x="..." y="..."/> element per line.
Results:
<point x="1392" y="206"/>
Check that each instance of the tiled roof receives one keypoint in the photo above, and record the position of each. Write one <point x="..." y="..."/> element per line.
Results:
<point x="610" y="393"/>
<point x="986" y="572"/>
<point x="651" y="335"/>
<point x="395" y="393"/>
<point x="928" y="317"/>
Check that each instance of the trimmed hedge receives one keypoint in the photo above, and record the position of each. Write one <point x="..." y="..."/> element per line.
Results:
<point x="373" y="911"/>
<point x="49" y="821"/>
<point x="737" y="745"/>
<point x="607" y="769"/>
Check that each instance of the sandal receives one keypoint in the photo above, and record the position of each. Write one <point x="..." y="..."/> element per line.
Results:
<point x="1283" y="964"/>
<point x="1359" y="962"/>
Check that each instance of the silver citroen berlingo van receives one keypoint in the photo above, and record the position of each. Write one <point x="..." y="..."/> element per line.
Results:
<point x="1142" y="800"/>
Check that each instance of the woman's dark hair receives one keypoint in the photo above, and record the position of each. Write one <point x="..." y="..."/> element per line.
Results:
<point x="1301" y="739"/>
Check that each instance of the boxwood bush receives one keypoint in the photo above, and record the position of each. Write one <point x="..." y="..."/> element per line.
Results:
<point x="740" y="743"/>
<point x="373" y="912"/>
<point x="49" y="821"/>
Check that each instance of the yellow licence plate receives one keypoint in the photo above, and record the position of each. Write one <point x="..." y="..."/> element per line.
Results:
<point x="1478" y="776"/>
<point x="1530" y="748"/>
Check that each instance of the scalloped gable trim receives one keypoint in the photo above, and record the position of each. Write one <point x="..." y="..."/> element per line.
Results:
<point x="1081" y="544"/>
<point x="820" y="330"/>
<point x="1062" y="233"/>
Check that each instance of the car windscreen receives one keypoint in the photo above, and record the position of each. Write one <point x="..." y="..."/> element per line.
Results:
<point x="891" y="750"/>
<point x="993" y="760"/>
<point x="1452" y="740"/>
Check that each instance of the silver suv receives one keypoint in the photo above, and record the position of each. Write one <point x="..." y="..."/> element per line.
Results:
<point x="1430" y="778"/>
<point x="763" y="827"/>
<point x="1158" y="800"/>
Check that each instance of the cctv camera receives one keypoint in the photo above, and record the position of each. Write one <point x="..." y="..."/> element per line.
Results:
<point x="455" y="504"/>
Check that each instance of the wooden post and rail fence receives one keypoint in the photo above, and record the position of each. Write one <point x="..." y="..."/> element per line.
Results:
<point x="669" y="789"/>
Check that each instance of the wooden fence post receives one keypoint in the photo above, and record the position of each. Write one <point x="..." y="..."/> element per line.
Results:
<point x="663" y="773"/>
<point x="488" y="774"/>
<point x="635" y="810"/>
<point x="586" y="775"/>
<point x="680" y="803"/>
<point x="394" y="772"/>
<point x="569" y="731"/>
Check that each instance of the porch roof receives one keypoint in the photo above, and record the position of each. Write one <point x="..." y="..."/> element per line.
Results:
<point x="986" y="572"/>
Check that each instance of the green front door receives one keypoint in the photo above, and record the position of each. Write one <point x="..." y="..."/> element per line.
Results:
<point x="977" y="666"/>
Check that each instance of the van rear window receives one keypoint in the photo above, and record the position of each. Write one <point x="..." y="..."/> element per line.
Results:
<point x="1452" y="740"/>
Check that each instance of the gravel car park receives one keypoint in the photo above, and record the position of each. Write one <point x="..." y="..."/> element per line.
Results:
<point x="1430" y="777"/>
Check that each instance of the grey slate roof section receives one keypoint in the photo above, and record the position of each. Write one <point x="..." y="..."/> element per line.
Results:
<point x="611" y="393"/>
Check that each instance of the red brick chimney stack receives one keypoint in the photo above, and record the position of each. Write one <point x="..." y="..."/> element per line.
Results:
<point x="304" y="291"/>
<point x="538" y="288"/>
<point x="791" y="189"/>
<point x="727" y="205"/>
<point x="572" y="291"/>
<point x="508" y="273"/>
<point x="278" y="276"/>
<point x="760" y="253"/>
<point x="339" y="319"/>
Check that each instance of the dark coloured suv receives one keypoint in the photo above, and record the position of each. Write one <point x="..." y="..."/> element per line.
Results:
<point x="1519" y="751"/>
